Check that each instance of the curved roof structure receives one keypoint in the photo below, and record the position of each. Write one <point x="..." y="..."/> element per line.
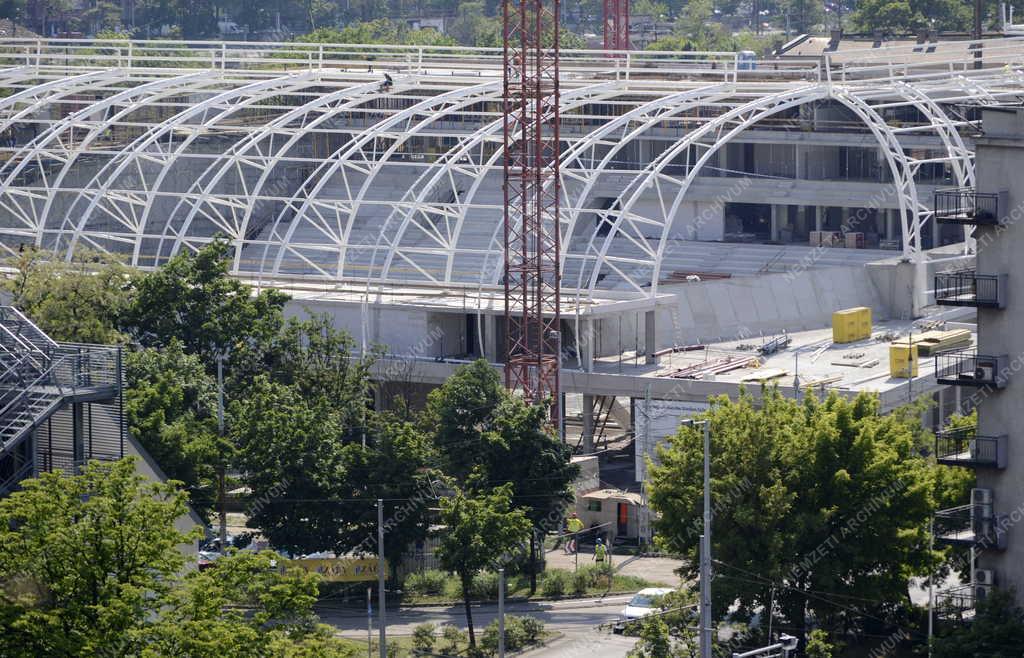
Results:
<point x="313" y="166"/>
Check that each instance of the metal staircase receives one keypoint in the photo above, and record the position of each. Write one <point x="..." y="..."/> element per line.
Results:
<point x="38" y="377"/>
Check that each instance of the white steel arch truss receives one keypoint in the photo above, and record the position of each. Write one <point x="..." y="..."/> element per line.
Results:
<point x="354" y="198"/>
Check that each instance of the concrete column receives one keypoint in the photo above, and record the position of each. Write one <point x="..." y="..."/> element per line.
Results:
<point x="590" y="345"/>
<point x="819" y="217"/>
<point x="935" y="232"/>
<point x="890" y="223"/>
<point x="588" y="424"/>
<point x="492" y="351"/>
<point x="775" y="222"/>
<point x="650" y="338"/>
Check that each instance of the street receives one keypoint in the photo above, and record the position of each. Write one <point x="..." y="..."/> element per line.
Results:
<point x="576" y="620"/>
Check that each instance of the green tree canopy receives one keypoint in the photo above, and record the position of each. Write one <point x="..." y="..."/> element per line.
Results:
<point x="995" y="631"/>
<point x="79" y="301"/>
<point x="828" y="497"/>
<point x="192" y="299"/>
<point x="170" y="405"/>
<point x="86" y="559"/>
<point x="477" y="530"/>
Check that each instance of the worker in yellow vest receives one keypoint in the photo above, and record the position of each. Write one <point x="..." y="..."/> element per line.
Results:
<point x="574" y="524"/>
<point x="600" y="551"/>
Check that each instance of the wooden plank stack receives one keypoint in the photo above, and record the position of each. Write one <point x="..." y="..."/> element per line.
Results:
<point x="930" y="343"/>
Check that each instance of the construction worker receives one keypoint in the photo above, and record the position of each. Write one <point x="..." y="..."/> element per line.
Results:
<point x="600" y="551"/>
<point x="574" y="524"/>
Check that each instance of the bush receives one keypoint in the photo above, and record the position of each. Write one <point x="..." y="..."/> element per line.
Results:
<point x="485" y="586"/>
<point x="519" y="632"/>
<point x="580" y="582"/>
<point x="427" y="583"/>
<point x="453" y="589"/>
<point x="554" y="583"/>
<point x="423" y="638"/>
<point x="453" y="636"/>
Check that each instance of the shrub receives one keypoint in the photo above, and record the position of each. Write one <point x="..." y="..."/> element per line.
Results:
<point x="423" y="638"/>
<point x="427" y="583"/>
<point x="554" y="583"/>
<point x="485" y="585"/>
<point x="519" y="632"/>
<point x="453" y="636"/>
<point x="580" y="582"/>
<point x="533" y="629"/>
<point x="453" y="589"/>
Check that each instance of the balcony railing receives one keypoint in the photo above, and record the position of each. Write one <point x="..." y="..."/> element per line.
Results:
<point x="968" y="288"/>
<point x="972" y="525"/>
<point x="955" y="603"/>
<point x="965" y="205"/>
<point x="967" y="368"/>
<point x="963" y="447"/>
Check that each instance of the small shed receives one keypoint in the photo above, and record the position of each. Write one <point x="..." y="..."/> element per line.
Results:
<point x="616" y="512"/>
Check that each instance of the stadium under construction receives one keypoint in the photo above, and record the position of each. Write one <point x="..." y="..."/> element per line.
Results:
<point x="715" y="209"/>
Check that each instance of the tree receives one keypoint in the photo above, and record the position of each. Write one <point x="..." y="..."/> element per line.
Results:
<point x="477" y="529"/>
<point x="291" y="457"/>
<point x="487" y="437"/>
<point x="902" y="16"/>
<point x="92" y="566"/>
<point x="170" y="405"/>
<point x="86" y="559"/>
<point x="79" y="301"/>
<point x="192" y="299"/>
<point x="243" y="605"/>
<point x="995" y="631"/>
<point x="828" y="497"/>
<point x="382" y="31"/>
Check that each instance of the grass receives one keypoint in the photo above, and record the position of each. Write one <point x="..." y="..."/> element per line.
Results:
<point x="401" y="646"/>
<point x="440" y="588"/>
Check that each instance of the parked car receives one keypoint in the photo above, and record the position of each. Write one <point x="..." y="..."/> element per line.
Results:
<point x="643" y="603"/>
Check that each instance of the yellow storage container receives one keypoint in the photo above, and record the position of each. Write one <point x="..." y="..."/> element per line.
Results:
<point x="851" y="324"/>
<point x="902" y="360"/>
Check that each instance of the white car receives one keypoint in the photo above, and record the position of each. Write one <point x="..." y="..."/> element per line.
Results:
<point x="643" y="603"/>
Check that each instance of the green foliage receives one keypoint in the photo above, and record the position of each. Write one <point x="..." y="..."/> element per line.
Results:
<point x="996" y="630"/>
<point x="427" y="583"/>
<point x="903" y="16"/>
<point x="382" y="31"/>
<point x="654" y="639"/>
<point x="78" y="301"/>
<point x="818" y="645"/>
<point x="554" y="583"/>
<point x="453" y="636"/>
<point x="826" y="496"/>
<point x="478" y="529"/>
<point x="520" y="632"/>
<point x="289" y="451"/>
<point x="92" y="557"/>
<point x="170" y="404"/>
<point x="485" y="586"/>
<point x="423" y="637"/>
<point x="192" y="299"/>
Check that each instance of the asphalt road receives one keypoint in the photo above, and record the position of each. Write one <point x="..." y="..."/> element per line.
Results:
<point x="572" y="617"/>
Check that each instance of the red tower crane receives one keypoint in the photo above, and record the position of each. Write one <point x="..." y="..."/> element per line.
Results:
<point x="616" y="24"/>
<point x="532" y="242"/>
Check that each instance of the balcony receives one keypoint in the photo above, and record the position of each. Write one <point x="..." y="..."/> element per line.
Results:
<point x="956" y="603"/>
<point x="967" y="368"/>
<point x="969" y="526"/>
<point x="968" y="288"/>
<point x="963" y="447"/>
<point x="965" y="205"/>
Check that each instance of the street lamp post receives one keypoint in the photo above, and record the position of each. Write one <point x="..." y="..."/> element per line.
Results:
<point x="705" y="543"/>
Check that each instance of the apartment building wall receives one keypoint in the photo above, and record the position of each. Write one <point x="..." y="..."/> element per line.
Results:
<point x="1000" y="168"/>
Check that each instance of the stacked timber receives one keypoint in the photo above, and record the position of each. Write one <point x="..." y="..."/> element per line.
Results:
<point x="716" y="366"/>
<point x="930" y="343"/>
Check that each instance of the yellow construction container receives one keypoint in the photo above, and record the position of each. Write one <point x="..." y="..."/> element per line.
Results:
<point x="902" y="360"/>
<point x="851" y="324"/>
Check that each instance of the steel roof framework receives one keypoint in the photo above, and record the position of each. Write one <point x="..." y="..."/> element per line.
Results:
<point x="312" y="231"/>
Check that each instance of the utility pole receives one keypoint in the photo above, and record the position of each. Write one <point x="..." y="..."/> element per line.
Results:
<point x="978" y="63"/>
<point x="705" y="551"/>
<point x="501" y="613"/>
<point x="369" y="622"/>
<point x="221" y="467"/>
<point x="380" y="579"/>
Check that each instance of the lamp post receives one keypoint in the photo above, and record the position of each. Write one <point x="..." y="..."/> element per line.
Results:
<point x="705" y="543"/>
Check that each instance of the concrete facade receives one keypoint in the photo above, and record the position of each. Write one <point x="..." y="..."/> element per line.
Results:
<point x="1000" y="168"/>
